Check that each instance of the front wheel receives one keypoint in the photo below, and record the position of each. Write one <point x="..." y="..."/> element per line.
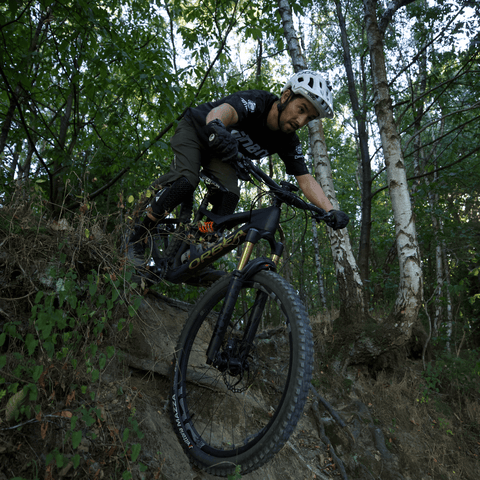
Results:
<point x="243" y="411"/>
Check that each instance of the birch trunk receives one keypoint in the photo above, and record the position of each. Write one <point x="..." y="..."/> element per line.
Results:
<point x="350" y="284"/>
<point x="410" y="291"/>
<point x="348" y="277"/>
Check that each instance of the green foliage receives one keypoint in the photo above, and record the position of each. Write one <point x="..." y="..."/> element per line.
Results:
<point x="458" y="376"/>
<point x="88" y="87"/>
<point x="237" y="474"/>
<point x="62" y="350"/>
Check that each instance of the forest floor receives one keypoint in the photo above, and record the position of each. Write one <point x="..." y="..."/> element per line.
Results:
<point x="86" y="396"/>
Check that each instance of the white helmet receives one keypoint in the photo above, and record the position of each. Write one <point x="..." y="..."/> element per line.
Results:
<point x="315" y="89"/>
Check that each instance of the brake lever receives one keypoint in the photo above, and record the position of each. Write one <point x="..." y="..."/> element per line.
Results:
<point x="242" y="171"/>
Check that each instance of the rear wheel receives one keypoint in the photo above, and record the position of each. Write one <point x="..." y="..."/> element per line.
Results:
<point x="244" y="410"/>
<point x="163" y="243"/>
<point x="169" y="233"/>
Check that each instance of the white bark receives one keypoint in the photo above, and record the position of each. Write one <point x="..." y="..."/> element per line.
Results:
<point x="318" y="263"/>
<point x="348" y="277"/>
<point x="410" y="291"/>
<point x="346" y="268"/>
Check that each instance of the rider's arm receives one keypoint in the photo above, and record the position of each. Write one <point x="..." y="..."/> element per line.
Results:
<point x="314" y="192"/>
<point x="224" y="112"/>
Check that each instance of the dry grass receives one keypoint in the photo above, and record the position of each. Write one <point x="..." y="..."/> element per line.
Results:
<point x="433" y="432"/>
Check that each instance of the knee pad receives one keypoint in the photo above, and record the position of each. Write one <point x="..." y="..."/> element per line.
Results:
<point x="168" y="198"/>
<point x="224" y="203"/>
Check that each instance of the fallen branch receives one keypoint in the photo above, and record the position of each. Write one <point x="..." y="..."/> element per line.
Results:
<point x="307" y="464"/>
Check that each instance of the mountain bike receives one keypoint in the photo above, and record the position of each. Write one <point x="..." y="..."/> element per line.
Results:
<point x="243" y="362"/>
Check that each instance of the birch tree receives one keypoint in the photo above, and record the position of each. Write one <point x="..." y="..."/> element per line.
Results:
<point x="410" y="290"/>
<point x="348" y="277"/>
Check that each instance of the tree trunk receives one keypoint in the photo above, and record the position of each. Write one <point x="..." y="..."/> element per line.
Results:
<point x="348" y="277"/>
<point x="318" y="263"/>
<point x="366" y="171"/>
<point x="410" y="291"/>
<point x="350" y="284"/>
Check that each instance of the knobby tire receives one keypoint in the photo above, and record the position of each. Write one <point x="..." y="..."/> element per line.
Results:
<point x="230" y="419"/>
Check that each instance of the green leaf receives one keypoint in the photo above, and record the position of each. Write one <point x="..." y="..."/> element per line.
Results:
<point x="49" y="348"/>
<point x="76" y="439"/>
<point x="136" y="447"/>
<point x="76" y="460"/>
<point x="72" y="300"/>
<point x="95" y="375"/>
<point x="37" y="372"/>
<point x="60" y="460"/>
<point x="33" y="394"/>
<point x="102" y="361"/>
<point x="114" y="295"/>
<point x="73" y="422"/>
<point x="92" y="288"/>
<point x="31" y="343"/>
<point x="39" y="296"/>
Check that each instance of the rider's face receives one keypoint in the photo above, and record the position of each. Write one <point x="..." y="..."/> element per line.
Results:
<point x="297" y="114"/>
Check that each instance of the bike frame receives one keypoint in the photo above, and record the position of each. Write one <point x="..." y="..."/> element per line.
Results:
<point x="256" y="225"/>
<point x="259" y="224"/>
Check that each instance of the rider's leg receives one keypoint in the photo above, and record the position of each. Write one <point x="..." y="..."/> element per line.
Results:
<point x="165" y="201"/>
<point x="179" y="183"/>
<point x="224" y="203"/>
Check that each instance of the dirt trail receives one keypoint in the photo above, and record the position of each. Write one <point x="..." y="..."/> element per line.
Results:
<point x="367" y="448"/>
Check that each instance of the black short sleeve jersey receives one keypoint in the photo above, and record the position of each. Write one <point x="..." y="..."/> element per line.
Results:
<point x="255" y="139"/>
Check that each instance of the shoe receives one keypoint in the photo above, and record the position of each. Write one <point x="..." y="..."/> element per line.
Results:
<point x="136" y="253"/>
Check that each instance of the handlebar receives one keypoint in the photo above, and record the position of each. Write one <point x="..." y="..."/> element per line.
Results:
<point x="247" y="169"/>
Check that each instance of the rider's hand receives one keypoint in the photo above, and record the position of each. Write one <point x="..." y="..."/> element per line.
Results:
<point x="220" y="141"/>
<point x="341" y="219"/>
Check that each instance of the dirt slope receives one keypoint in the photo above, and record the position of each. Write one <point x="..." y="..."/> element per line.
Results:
<point x="389" y="434"/>
<point x="118" y="427"/>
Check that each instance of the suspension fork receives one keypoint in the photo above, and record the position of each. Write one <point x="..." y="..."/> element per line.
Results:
<point x="257" y="310"/>
<point x="243" y="272"/>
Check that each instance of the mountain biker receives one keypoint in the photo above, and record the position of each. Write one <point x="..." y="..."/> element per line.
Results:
<point x="255" y="123"/>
